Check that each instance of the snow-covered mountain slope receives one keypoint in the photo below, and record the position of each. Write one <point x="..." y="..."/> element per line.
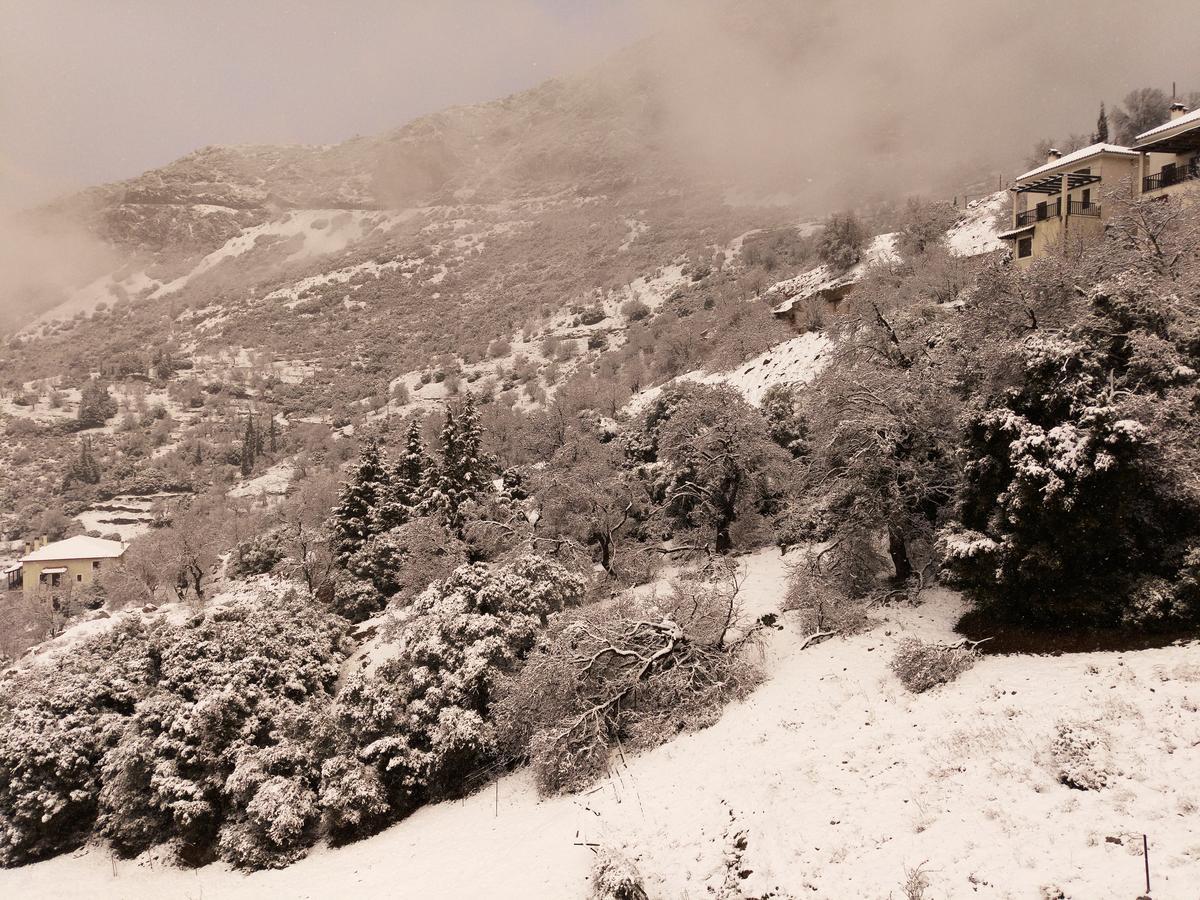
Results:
<point x="880" y="252"/>
<point x="975" y="233"/>
<point x="829" y="781"/>
<point x="794" y="362"/>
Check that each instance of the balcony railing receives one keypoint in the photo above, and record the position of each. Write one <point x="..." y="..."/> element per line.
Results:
<point x="1171" y="175"/>
<point x="1040" y="213"/>
<point x="1080" y="208"/>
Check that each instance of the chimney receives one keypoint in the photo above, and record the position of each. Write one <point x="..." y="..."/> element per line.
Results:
<point x="1053" y="155"/>
<point x="1177" y="110"/>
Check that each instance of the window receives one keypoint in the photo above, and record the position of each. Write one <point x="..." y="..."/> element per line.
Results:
<point x="1087" y="197"/>
<point x="95" y="565"/>
<point x="1025" y="247"/>
<point x="79" y="578"/>
<point x="55" y="580"/>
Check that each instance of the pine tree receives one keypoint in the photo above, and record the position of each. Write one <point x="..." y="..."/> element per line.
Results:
<point x="1101" y="136"/>
<point x="272" y="434"/>
<point x="84" y="469"/>
<point x="407" y="486"/>
<point x="248" y="447"/>
<point x="96" y="405"/>
<point x="259" y="438"/>
<point x="464" y="467"/>
<point x="354" y="519"/>
<point x="410" y="476"/>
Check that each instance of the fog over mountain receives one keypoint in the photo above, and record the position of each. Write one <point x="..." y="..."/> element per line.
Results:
<point x="818" y="104"/>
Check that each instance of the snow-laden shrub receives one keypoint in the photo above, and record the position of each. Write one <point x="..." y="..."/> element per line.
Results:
<point x="423" y="718"/>
<point x="259" y="555"/>
<point x="56" y="725"/>
<point x="209" y="735"/>
<point x="274" y="830"/>
<point x="1081" y="756"/>
<point x="1064" y="510"/>
<point x="615" y="877"/>
<point x="841" y="242"/>
<point x="356" y="598"/>
<point x="921" y="666"/>
<point x="352" y="799"/>
<point x="629" y="672"/>
<point x="404" y="560"/>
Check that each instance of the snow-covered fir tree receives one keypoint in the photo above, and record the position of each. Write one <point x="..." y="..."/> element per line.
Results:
<point x="462" y="474"/>
<point x="407" y="483"/>
<point x="354" y="519"/>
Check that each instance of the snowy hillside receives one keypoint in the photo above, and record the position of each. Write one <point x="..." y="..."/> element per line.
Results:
<point x="974" y="234"/>
<point x="830" y="781"/>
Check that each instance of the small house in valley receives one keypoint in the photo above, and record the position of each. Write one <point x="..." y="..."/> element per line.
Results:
<point x="60" y="565"/>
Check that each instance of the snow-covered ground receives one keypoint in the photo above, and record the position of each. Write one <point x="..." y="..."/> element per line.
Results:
<point x="794" y="362"/>
<point x="978" y="230"/>
<point x="975" y="233"/>
<point x="271" y="484"/>
<point x="827" y="782"/>
<point x="127" y="515"/>
<point x="880" y="252"/>
<point x="321" y="231"/>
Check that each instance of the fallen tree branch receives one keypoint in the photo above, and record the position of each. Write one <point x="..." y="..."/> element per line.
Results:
<point x="814" y="637"/>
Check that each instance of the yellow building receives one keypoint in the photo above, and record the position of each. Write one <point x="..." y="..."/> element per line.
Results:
<point x="63" y="565"/>
<point x="1059" y="202"/>
<point x="1170" y="154"/>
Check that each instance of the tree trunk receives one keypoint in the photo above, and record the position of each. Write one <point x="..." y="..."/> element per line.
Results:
<point x="899" y="554"/>
<point x="606" y="552"/>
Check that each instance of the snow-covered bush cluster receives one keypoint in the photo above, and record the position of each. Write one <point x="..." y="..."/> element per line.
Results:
<point x="206" y="735"/>
<point x="615" y="877"/>
<point x="1079" y="499"/>
<point x="423" y="719"/>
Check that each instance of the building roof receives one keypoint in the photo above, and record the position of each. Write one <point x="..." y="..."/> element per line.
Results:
<point x="1077" y="157"/>
<point x="79" y="547"/>
<point x="1183" y="122"/>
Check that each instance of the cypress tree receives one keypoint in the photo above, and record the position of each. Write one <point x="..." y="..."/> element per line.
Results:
<point x="248" y="447"/>
<point x="1101" y="127"/>
<point x="259" y="439"/>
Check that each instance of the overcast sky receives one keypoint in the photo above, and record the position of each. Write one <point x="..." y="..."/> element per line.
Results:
<point x="101" y="90"/>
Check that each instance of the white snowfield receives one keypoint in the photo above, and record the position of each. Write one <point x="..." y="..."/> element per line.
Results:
<point x="827" y="782"/>
<point x="793" y="362"/>
<point x="335" y="229"/>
